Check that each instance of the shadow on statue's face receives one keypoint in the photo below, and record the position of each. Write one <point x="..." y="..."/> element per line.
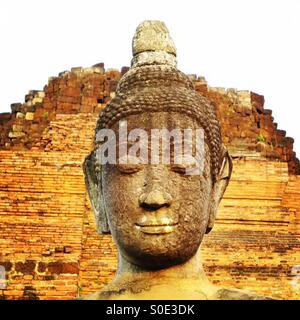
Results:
<point x="157" y="214"/>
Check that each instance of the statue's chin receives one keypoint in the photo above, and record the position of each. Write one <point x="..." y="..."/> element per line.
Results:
<point x="159" y="260"/>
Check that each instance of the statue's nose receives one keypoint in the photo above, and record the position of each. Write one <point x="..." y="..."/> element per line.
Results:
<point x="155" y="199"/>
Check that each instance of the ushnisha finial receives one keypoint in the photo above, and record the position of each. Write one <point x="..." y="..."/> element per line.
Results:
<point x="152" y="44"/>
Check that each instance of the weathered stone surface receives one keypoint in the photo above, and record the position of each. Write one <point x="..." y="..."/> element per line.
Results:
<point x="17" y="128"/>
<point x="29" y="116"/>
<point x="20" y="115"/>
<point x="16" y="134"/>
<point x="152" y="44"/>
<point x="37" y="100"/>
<point x="152" y="36"/>
<point x="63" y="267"/>
<point x="26" y="267"/>
<point x="16" y="107"/>
<point x="7" y="265"/>
<point x="5" y="117"/>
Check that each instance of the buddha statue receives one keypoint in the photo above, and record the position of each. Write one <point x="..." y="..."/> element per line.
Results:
<point x="158" y="213"/>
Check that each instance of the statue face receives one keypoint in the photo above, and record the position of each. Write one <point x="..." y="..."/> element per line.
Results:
<point x="157" y="214"/>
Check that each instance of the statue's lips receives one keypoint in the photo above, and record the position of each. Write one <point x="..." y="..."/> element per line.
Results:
<point x="156" y="229"/>
<point x="158" y="222"/>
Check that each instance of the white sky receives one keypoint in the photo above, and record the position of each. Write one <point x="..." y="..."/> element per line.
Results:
<point x="244" y="44"/>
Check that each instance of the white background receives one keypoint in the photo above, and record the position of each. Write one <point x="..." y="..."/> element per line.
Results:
<point x="244" y="44"/>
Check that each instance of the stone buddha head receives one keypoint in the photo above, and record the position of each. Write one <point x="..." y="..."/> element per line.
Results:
<point x="157" y="211"/>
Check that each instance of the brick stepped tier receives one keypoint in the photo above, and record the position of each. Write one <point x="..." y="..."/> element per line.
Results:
<point x="247" y="128"/>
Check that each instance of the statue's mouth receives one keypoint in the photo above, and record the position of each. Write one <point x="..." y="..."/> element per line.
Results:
<point x="159" y="222"/>
<point x="156" y="229"/>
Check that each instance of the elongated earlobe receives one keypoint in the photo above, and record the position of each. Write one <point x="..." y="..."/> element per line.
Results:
<point x="219" y="188"/>
<point x="92" y="175"/>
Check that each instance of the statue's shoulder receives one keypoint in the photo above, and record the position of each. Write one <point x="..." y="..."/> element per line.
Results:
<point x="105" y="295"/>
<point x="236" y="294"/>
<point x="219" y="294"/>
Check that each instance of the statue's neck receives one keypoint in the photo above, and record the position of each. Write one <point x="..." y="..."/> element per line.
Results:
<point x="190" y="269"/>
<point x="187" y="278"/>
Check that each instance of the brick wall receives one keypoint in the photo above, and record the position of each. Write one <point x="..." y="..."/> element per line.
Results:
<point x="49" y="245"/>
<point x="50" y="248"/>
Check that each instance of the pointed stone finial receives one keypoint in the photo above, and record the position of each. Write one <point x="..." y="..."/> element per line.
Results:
<point x="152" y="44"/>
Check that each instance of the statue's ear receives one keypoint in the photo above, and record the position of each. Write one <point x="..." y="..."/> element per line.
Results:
<point x="219" y="188"/>
<point x="93" y="184"/>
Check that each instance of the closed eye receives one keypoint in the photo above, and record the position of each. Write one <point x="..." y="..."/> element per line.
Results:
<point x="129" y="165"/>
<point x="129" y="168"/>
<point x="179" y="168"/>
<point x="183" y="167"/>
